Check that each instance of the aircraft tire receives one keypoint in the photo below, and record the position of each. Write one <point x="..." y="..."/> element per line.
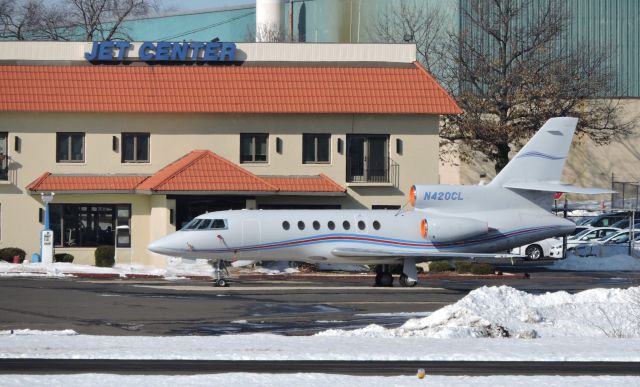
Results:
<point x="378" y="281"/>
<point x="405" y="282"/>
<point x="386" y="279"/>
<point x="221" y="283"/>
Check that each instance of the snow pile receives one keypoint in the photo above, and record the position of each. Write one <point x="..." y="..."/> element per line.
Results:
<point x="274" y="267"/>
<point x="618" y="262"/>
<point x="506" y="312"/>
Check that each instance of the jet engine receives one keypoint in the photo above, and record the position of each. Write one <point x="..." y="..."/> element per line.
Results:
<point x="448" y="229"/>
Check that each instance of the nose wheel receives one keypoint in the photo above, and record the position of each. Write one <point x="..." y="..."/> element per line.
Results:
<point x="220" y="272"/>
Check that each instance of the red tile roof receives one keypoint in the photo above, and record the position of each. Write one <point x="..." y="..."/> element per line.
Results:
<point x="223" y="89"/>
<point x="49" y="182"/>
<point x="198" y="171"/>
<point x="319" y="183"/>
<point x="203" y="170"/>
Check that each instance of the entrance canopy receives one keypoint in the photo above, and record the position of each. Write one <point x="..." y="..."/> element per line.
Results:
<point x="199" y="172"/>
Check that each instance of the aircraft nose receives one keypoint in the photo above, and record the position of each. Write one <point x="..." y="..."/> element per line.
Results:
<point x="159" y="247"/>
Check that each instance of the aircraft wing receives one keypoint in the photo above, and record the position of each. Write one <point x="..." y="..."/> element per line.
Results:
<point x="421" y="255"/>
<point x="556" y="186"/>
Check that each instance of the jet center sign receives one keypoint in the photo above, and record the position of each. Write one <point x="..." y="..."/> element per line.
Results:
<point x="201" y="52"/>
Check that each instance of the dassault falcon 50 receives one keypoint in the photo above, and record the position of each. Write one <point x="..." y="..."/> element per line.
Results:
<point x="446" y="222"/>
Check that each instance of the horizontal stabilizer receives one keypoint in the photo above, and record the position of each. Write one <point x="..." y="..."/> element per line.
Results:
<point x="556" y="186"/>
<point x="426" y="254"/>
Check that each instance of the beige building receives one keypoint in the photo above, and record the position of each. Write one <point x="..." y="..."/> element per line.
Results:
<point x="139" y="139"/>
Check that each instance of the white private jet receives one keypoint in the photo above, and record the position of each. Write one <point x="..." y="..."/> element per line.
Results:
<point x="447" y="222"/>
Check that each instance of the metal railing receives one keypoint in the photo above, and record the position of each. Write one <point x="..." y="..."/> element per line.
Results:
<point x="378" y="170"/>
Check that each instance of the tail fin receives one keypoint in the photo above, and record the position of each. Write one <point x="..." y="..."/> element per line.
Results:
<point x="542" y="159"/>
<point x="539" y="164"/>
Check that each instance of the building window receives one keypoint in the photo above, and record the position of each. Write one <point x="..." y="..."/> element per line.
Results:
<point x="90" y="225"/>
<point x="253" y="147"/>
<point x="135" y="147"/>
<point x="315" y="148"/>
<point x="4" y="160"/>
<point x="69" y="147"/>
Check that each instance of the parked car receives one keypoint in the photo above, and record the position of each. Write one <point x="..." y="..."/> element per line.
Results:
<point x="536" y="250"/>
<point x="615" y="244"/>
<point x="624" y="223"/>
<point x="607" y="220"/>
<point x="585" y="236"/>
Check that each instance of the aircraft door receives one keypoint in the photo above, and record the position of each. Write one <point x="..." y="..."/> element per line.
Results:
<point x="250" y="232"/>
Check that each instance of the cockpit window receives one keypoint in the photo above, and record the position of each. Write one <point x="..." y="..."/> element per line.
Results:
<point x="206" y="224"/>
<point x="192" y="225"/>
<point x="219" y="224"/>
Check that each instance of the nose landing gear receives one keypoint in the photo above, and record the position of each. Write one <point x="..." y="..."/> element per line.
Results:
<point x="220" y="272"/>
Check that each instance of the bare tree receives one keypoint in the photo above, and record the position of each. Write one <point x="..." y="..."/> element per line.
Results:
<point x="411" y="21"/>
<point x="69" y="19"/>
<point x="511" y="68"/>
<point x="18" y="19"/>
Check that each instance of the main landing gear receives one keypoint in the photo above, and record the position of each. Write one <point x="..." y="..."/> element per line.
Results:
<point x="384" y="278"/>
<point x="220" y="272"/>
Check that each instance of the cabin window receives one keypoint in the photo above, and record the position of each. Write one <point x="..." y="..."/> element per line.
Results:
<point x="361" y="225"/>
<point x="301" y="225"/>
<point x="316" y="225"/>
<point x="331" y="225"/>
<point x="346" y="225"/>
<point x="285" y="225"/>
<point x="376" y="225"/>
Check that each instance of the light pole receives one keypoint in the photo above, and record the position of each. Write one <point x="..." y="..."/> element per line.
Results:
<point x="115" y="242"/>
<point x="46" y="235"/>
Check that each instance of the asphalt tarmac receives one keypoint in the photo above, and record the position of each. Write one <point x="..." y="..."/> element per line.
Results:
<point x="160" y="307"/>
<point x="381" y="368"/>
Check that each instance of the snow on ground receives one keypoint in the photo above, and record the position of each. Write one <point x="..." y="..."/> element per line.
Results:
<point x="275" y="347"/>
<point x="311" y="380"/>
<point x="176" y="268"/>
<point x="506" y="312"/>
<point x="594" y="325"/>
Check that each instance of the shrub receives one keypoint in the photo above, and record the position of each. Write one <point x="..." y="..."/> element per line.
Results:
<point x="465" y="267"/>
<point x="63" y="257"/>
<point x="7" y="254"/>
<point x="105" y="256"/>
<point x="439" y="267"/>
